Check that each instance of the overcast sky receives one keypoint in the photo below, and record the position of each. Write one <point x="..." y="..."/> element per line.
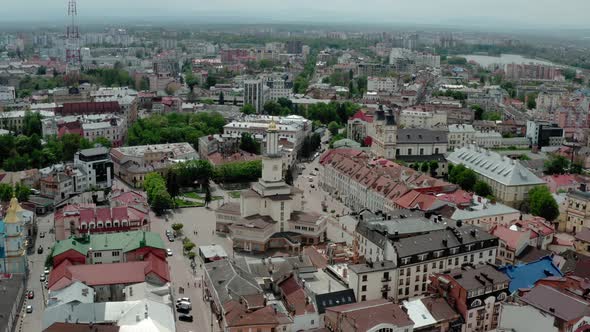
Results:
<point x="550" y="13"/>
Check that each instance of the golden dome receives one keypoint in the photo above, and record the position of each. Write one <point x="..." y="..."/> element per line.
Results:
<point x="272" y="126"/>
<point x="11" y="213"/>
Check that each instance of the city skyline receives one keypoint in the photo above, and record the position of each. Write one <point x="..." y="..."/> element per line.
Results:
<point x="501" y="13"/>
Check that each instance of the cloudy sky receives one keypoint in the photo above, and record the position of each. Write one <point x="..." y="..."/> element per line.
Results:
<point x="549" y="13"/>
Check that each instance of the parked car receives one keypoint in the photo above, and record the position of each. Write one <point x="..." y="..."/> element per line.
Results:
<point x="46" y="271"/>
<point x="185" y="318"/>
<point x="183" y="310"/>
<point x="29" y="309"/>
<point x="40" y="250"/>
<point x="42" y="235"/>
<point x="42" y="279"/>
<point x="171" y="238"/>
<point x="185" y="305"/>
<point x="169" y="252"/>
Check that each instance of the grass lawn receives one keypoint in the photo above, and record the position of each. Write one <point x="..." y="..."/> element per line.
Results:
<point x="193" y="195"/>
<point x="234" y="194"/>
<point x="184" y="203"/>
<point x="216" y="198"/>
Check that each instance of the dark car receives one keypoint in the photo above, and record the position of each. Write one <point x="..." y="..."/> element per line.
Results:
<point x="185" y="318"/>
<point x="183" y="310"/>
<point x="40" y="250"/>
<point x="30" y="295"/>
<point x="171" y="238"/>
<point x="42" y="235"/>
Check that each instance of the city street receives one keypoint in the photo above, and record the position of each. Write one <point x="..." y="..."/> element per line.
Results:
<point x="202" y="221"/>
<point x="32" y="321"/>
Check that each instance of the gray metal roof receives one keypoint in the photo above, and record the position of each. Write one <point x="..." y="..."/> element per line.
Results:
<point x="494" y="166"/>
<point x="417" y="135"/>
<point x="433" y="241"/>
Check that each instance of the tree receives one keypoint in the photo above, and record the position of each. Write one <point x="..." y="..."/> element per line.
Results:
<point x="177" y="227"/>
<point x="542" y="203"/>
<point x="103" y="141"/>
<point x="22" y="192"/>
<point x="211" y="81"/>
<point x="478" y="112"/>
<point x="272" y="108"/>
<point x="482" y="189"/>
<point x="221" y="99"/>
<point x="32" y="123"/>
<point x="172" y="184"/>
<point x="249" y="144"/>
<point x="424" y="167"/>
<point x="576" y="168"/>
<point x="556" y="165"/>
<point x="41" y="70"/>
<point x="333" y="127"/>
<point x="208" y="197"/>
<point x="531" y="101"/>
<point x="433" y="167"/>
<point x="248" y="109"/>
<point x="289" y="176"/>
<point x="5" y="192"/>
<point x="188" y="246"/>
<point x="463" y="176"/>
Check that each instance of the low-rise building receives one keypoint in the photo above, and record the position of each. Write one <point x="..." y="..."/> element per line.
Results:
<point x="512" y="243"/>
<point x="377" y="84"/>
<point x="509" y="180"/>
<point x="415" y="249"/>
<point x="577" y="213"/>
<point x="421" y="145"/>
<point x="15" y="120"/>
<point x="77" y="220"/>
<point x="476" y="292"/>
<point x="411" y="118"/>
<point x="488" y="140"/>
<point x="461" y="135"/>
<point x="7" y="94"/>
<point x="486" y="213"/>
<point x="133" y="163"/>
<point x="376" y="315"/>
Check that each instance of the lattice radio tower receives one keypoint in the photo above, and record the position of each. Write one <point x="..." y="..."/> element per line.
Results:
<point x="73" y="54"/>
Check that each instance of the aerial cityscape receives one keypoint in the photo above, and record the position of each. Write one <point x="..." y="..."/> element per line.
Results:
<point x="286" y="166"/>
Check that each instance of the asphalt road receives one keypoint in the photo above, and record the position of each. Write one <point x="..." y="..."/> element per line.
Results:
<point x="32" y="321"/>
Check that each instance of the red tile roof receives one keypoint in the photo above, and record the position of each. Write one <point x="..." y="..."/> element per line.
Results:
<point x="368" y="314"/>
<point x="362" y="115"/>
<point x="89" y="108"/>
<point x="108" y="274"/>
<point x="510" y="237"/>
<point x="295" y="297"/>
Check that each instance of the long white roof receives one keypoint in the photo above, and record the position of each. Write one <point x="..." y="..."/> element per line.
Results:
<point x="494" y="166"/>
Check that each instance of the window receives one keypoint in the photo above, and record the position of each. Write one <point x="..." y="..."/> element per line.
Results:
<point x="409" y="152"/>
<point x="115" y="253"/>
<point x="98" y="254"/>
<point x="364" y="278"/>
<point x="363" y="298"/>
<point x="476" y="303"/>
<point x="364" y="288"/>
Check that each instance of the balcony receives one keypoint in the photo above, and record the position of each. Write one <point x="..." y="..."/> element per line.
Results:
<point x="385" y="279"/>
<point x="385" y="288"/>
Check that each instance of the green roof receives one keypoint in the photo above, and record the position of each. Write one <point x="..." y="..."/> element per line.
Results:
<point x="125" y="241"/>
<point x="79" y="245"/>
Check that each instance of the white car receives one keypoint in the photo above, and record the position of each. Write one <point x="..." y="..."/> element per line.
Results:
<point x="169" y="252"/>
<point x="183" y="299"/>
<point x="42" y="278"/>
<point x="46" y="271"/>
<point x="29" y="309"/>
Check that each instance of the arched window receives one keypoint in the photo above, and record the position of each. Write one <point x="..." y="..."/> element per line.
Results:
<point x="476" y="303"/>
<point x="92" y="225"/>
<point x="501" y="296"/>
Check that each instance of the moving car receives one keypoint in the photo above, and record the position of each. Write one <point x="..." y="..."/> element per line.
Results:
<point x="42" y="235"/>
<point x="40" y="250"/>
<point x="171" y="238"/>
<point x="169" y="252"/>
<point x="30" y="295"/>
<point x="29" y="309"/>
<point x="185" y="318"/>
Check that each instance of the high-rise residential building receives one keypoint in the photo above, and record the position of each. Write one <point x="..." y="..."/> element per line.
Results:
<point x="294" y="47"/>
<point x="254" y="94"/>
